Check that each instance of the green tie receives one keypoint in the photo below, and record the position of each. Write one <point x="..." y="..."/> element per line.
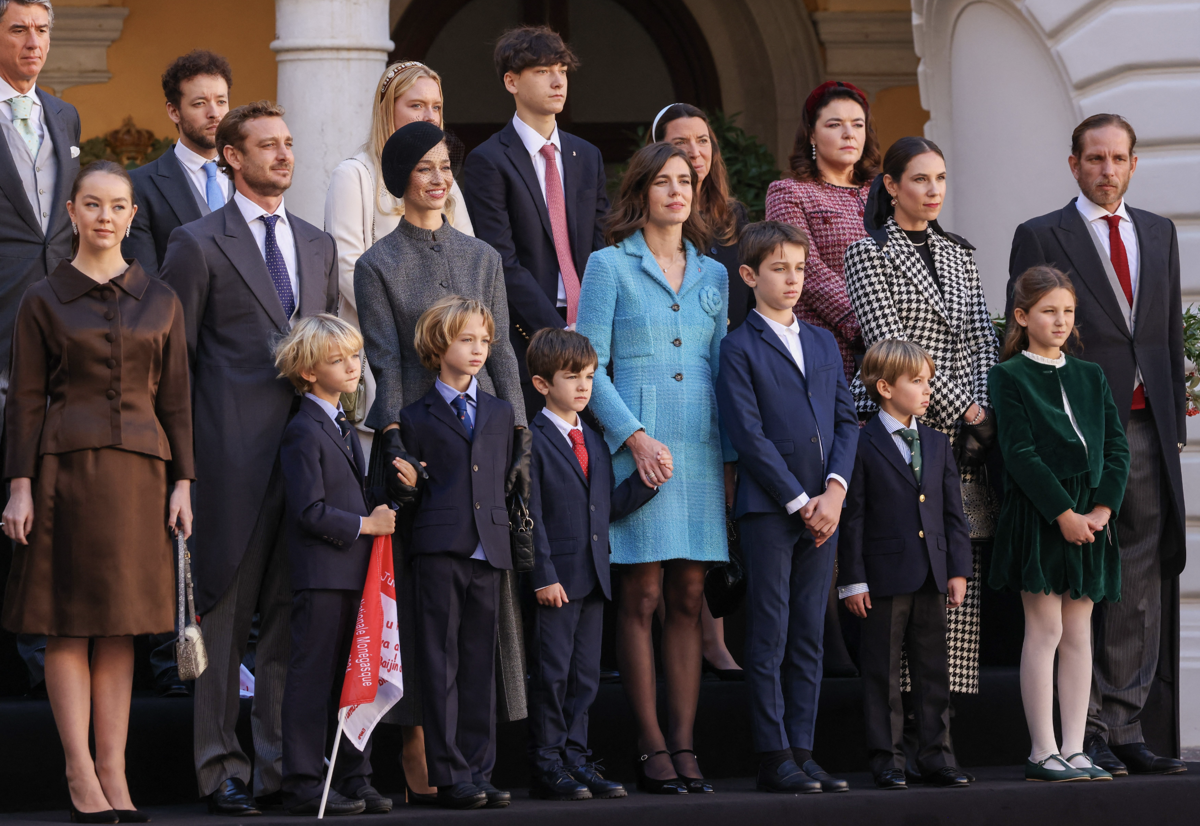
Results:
<point x="913" y="441"/>
<point x="22" y="108"/>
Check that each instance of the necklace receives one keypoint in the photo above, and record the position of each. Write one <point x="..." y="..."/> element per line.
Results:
<point x="669" y="265"/>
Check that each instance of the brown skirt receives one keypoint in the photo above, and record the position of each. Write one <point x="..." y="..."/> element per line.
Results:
<point x="98" y="562"/>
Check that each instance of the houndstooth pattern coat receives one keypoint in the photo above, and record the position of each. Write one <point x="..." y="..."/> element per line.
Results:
<point x="895" y="296"/>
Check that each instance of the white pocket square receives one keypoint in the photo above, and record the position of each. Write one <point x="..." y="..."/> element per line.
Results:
<point x="74" y="151"/>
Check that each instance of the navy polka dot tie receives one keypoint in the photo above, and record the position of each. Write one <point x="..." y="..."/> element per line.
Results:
<point x="277" y="268"/>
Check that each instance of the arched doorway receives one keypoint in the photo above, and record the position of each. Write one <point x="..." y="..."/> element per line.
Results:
<point x="637" y="56"/>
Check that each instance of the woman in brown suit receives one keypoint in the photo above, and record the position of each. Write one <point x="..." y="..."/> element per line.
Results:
<point x="99" y="430"/>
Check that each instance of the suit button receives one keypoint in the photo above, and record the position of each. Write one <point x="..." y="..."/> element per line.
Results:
<point x="593" y="507"/>
<point x="109" y="337"/>
<point x="813" y="440"/>
<point x="679" y="377"/>
<point x="595" y="538"/>
<point x="112" y="394"/>
<point x="475" y="468"/>
<point x="112" y="363"/>
<point x="921" y="534"/>
<point x="477" y="508"/>
<point x="922" y="497"/>
<point x="675" y="307"/>
<point x="109" y="316"/>
<point x="437" y="247"/>
<point x="677" y="343"/>
<point x="444" y="284"/>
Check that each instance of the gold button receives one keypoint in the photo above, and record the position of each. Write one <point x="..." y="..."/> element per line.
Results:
<point x="919" y="533"/>
<point x="922" y="497"/>
<point x="476" y="469"/>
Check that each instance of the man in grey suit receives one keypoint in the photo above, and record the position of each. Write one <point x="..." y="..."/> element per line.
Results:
<point x="39" y="151"/>
<point x="243" y="274"/>
<point x="183" y="184"/>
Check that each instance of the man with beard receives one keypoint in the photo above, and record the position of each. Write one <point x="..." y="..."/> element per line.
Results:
<point x="1124" y="263"/>
<point x="182" y="185"/>
<point x="243" y="273"/>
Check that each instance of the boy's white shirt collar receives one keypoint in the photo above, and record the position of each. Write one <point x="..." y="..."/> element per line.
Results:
<point x="330" y="411"/>
<point x="564" y="427"/>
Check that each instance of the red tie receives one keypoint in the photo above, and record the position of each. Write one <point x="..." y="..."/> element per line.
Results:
<point x="562" y="240"/>
<point x="1120" y="262"/>
<point x="577" y="445"/>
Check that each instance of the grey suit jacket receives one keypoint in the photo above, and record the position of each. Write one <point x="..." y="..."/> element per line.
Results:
<point x="28" y="254"/>
<point x="165" y="200"/>
<point x="234" y="317"/>
<point x="402" y="276"/>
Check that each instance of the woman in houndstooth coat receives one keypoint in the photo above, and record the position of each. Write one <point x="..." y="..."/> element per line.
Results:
<point x="911" y="280"/>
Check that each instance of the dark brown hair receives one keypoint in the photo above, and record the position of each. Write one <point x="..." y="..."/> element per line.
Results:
<point x="631" y="209"/>
<point x="96" y="168"/>
<point x="760" y="239"/>
<point x="890" y="360"/>
<point x="525" y="46"/>
<point x="804" y="166"/>
<point x="714" y="200"/>
<point x="1029" y="289"/>
<point x="895" y="163"/>
<point x="230" y="133"/>
<point x="1099" y="121"/>
<point x="552" y="349"/>
<point x="193" y="64"/>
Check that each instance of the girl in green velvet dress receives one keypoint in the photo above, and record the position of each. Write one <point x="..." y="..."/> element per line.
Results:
<point x="1067" y="462"/>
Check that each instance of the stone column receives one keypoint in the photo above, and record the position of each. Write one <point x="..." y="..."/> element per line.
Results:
<point x="330" y="54"/>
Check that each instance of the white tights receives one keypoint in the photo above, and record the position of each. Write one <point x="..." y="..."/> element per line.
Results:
<point x="1055" y="622"/>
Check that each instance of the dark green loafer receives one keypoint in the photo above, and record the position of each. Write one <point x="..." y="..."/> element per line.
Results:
<point x="1094" y="771"/>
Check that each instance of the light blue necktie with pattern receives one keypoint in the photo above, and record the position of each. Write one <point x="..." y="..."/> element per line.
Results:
<point x="22" y="109"/>
<point x="212" y="189"/>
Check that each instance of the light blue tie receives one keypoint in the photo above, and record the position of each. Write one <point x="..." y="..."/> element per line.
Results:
<point x="22" y="109"/>
<point x="212" y="189"/>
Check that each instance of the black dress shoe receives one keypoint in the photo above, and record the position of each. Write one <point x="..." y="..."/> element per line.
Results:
<point x="651" y="785"/>
<point x="233" y="799"/>
<point x="891" y="780"/>
<point x="376" y="804"/>
<point x="105" y="816"/>
<point x="461" y="796"/>
<point x="589" y="775"/>
<point x="496" y="799"/>
<point x="170" y="688"/>
<point x="417" y="799"/>
<point x="725" y="675"/>
<point x="131" y="816"/>
<point x="558" y="784"/>
<point x="336" y="804"/>
<point x="828" y="782"/>
<point x="1102" y="756"/>
<point x="948" y="777"/>
<point x="1140" y="760"/>
<point x="788" y="778"/>
<point x="695" y="785"/>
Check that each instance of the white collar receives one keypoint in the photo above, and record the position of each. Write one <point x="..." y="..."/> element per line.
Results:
<point x="251" y="211"/>
<point x="562" y="424"/>
<point x="1091" y="211"/>
<point x="532" y="140"/>
<point x="330" y="411"/>
<point x="793" y="328"/>
<point x="893" y="424"/>
<point x="1058" y="362"/>
<point x="190" y="159"/>
<point x="7" y="92"/>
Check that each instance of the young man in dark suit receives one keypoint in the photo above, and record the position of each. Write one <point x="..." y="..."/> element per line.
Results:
<point x="1124" y="263"/>
<point x="459" y="544"/>
<point x="183" y="184"/>
<point x="331" y="522"/>
<point x="571" y="503"/>
<point x="787" y="409"/>
<point x="537" y="194"/>
<point x="243" y="274"/>
<point x="904" y="555"/>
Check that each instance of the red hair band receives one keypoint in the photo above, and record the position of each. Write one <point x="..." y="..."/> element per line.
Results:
<point x="814" y="98"/>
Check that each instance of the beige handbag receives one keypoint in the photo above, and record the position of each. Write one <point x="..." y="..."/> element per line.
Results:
<point x="190" y="655"/>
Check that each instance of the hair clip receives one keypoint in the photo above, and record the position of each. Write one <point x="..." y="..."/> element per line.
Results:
<point x="395" y="70"/>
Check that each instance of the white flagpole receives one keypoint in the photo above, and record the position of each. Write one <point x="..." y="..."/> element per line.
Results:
<point x="337" y="739"/>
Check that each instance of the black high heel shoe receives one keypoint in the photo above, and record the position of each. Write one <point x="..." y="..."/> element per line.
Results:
<point x="106" y="816"/>
<point x="131" y="816"/>
<point x="672" y="785"/>
<point x="695" y="785"/>
<point x="725" y="675"/>
<point x="417" y="799"/>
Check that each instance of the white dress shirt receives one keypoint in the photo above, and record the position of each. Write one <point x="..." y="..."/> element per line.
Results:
<point x="564" y="427"/>
<point x="193" y="165"/>
<point x="1094" y="215"/>
<point x="533" y="145"/>
<point x="37" y="114"/>
<point x="333" y="413"/>
<point x="449" y="393"/>
<point x="283" y="237"/>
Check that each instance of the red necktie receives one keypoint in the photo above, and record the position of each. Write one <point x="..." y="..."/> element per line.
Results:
<point x="577" y="445"/>
<point x="1120" y="262"/>
<point x="562" y="240"/>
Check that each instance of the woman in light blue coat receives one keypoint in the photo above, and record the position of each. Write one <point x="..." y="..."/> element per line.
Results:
<point x="656" y="311"/>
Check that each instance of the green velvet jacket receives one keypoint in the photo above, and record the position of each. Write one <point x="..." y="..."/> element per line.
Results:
<point x="1040" y="447"/>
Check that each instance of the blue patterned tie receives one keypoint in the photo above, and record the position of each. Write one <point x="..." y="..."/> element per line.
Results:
<point x="212" y="189"/>
<point x="277" y="268"/>
<point x="460" y="407"/>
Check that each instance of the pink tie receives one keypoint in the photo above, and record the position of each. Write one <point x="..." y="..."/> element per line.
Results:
<point x="558" y="224"/>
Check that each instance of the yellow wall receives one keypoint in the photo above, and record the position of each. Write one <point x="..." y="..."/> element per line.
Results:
<point x="858" y="5"/>
<point x="897" y="113"/>
<point x="158" y="31"/>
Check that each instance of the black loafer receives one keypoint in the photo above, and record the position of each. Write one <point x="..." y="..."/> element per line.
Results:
<point x="232" y="799"/>
<point x="558" y="785"/>
<point x="1097" y="749"/>
<point x="891" y="780"/>
<point x="376" y="804"/>
<point x="787" y="779"/>
<point x="828" y="782"/>
<point x="337" y="804"/>
<point x="461" y="796"/>
<point x="947" y="777"/>
<point x="589" y="775"/>
<point x="496" y="799"/>
<point x="1140" y="760"/>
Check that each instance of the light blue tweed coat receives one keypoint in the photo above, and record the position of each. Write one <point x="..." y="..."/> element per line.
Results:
<point x="664" y="348"/>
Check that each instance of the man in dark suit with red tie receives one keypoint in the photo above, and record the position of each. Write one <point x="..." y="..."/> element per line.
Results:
<point x="1124" y="263"/>
<point x="536" y="194"/>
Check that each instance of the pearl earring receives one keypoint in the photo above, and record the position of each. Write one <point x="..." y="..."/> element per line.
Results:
<point x="814" y="150"/>
<point x="128" y="229"/>
<point x="74" y="228"/>
<point x="893" y="202"/>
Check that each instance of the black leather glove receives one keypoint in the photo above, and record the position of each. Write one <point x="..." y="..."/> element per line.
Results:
<point x="520" y="478"/>
<point x="974" y="442"/>
<point x="391" y="445"/>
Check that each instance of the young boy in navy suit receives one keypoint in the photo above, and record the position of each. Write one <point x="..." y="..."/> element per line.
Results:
<point x="904" y="556"/>
<point x="571" y="504"/>
<point x="787" y="410"/>
<point x="460" y="543"/>
<point x="331" y="522"/>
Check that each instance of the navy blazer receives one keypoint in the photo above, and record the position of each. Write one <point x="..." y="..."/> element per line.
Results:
<point x="571" y="513"/>
<point x="509" y="212"/>
<point x="325" y="502"/>
<point x="790" y="430"/>
<point x="466" y="477"/>
<point x="894" y="530"/>
<point x="165" y="200"/>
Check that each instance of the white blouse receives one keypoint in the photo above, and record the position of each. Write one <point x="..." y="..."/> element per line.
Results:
<point x="1059" y="362"/>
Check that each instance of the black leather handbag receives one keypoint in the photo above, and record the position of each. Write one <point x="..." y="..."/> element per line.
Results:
<point x="520" y="530"/>
<point x="725" y="584"/>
